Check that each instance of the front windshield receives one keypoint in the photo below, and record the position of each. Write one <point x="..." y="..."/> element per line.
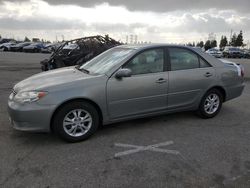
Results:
<point x="106" y="61"/>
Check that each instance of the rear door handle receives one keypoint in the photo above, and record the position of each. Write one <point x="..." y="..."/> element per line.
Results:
<point x="161" y="80"/>
<point x="208" y="74"/>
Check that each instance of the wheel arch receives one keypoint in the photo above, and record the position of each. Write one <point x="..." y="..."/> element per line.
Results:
<point x="221" y="89"/>
<point x="75" y="100"/>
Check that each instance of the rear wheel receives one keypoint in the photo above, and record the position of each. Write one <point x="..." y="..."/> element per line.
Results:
<point x="210" y="104"/>
<point x="76" y="121"/>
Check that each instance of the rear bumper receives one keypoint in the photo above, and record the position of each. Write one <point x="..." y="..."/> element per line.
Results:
<point x="234" y="91"/>
<point x="30" y="117"/>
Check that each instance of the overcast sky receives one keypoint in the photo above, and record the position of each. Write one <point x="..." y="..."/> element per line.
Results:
<point x="177" y="21"/>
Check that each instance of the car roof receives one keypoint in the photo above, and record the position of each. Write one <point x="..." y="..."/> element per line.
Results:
<point x="140" y="47"/>
<point x="148" y="46"/>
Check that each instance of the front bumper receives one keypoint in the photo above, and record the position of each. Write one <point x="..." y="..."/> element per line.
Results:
<point x="30" y="117"/>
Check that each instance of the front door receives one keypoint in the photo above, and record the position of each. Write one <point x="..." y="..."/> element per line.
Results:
<point x="145" y="91"/>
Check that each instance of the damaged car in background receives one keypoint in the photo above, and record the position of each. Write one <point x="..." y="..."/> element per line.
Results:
<point x="78" y="51"/>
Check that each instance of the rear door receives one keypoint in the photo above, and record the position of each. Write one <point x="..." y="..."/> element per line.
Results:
<point x="189" y="78"/>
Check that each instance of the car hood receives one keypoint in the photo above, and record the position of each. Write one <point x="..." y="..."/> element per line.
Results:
<point x="51" y="79"/>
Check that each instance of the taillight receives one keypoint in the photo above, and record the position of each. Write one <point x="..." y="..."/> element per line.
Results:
<point x="242" y="71"/>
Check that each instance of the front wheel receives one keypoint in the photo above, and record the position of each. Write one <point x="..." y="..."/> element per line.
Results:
<point x="76" y="121"/>
<point x="210" y="104"/>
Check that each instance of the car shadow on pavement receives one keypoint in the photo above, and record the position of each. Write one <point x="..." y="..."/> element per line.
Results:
<point x="159" y="122"/>
<point x="149" y="122"/>
<point x="29" y="138"/>
<point x="155" y="122"/>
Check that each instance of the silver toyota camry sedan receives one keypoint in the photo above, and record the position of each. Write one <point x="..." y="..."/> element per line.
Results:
<point x="123" y="83"/>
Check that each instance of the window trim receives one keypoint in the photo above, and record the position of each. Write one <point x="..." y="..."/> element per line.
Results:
<point x="201" y="58"/>
<point x="194" y="52"/>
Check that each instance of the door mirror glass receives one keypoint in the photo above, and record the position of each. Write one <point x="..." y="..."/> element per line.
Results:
<point x="123" y="73"/>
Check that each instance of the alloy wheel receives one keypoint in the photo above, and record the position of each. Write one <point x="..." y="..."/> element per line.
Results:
<point x="212" y="103"/>
<point x="77" y="122"/>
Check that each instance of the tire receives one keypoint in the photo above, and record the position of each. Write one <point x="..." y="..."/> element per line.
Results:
<point x="207" y="111"/>
<point x="44" y="67"/>
<point x="70" y="126"/>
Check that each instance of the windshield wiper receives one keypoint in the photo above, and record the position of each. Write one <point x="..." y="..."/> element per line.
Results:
<point x="82" y="69"/>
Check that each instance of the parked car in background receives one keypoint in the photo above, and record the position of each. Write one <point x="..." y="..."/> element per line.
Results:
<point x="4" y="40"/>
<point x="6" y="46"/>
<point x="246" y="53"/>
<point x="34" y="48"/>
<point x="232" y="52"/>
<point x="199" y="48"/>
<point x="123" y="83"/>
<point x="19" y="47"/>
<point x="215" y="52"/>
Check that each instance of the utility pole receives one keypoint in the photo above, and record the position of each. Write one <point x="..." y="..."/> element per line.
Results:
<point x="131" y="39"/>
<point x="231" y="34"/>
<point x="136" y="38"/>
<point x="126" y="39"/>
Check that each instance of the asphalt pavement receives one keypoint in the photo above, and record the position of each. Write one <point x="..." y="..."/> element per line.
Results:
<point x="176" y="150"/>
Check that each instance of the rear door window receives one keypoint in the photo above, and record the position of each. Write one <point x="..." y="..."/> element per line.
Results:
<point x="183" y="59"/>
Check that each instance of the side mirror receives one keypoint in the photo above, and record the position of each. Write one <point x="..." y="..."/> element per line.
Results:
<point x="123" y="73"/>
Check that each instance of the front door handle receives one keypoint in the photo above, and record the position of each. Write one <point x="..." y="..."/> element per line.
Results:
<point x="208" y="74"/>
<point x="161" y="80"/>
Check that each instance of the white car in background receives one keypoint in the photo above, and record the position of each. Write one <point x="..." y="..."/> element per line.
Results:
<point x="215" y="52"/>
<point x="6" y="46"/>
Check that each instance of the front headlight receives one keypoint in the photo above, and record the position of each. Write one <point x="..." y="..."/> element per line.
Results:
<point x="29" y="96"/>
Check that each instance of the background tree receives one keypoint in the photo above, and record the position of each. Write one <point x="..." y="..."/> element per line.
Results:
<point x="223" y="42"/>
<point x="233" y="40"/>
<point x="200" y="44"/>
<point x="190" y="44"/>
<point x="207" y="45"/>
<point x="239" y="39"/>
<point x="26" y="39"/>
<point x="213" y="43"/>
